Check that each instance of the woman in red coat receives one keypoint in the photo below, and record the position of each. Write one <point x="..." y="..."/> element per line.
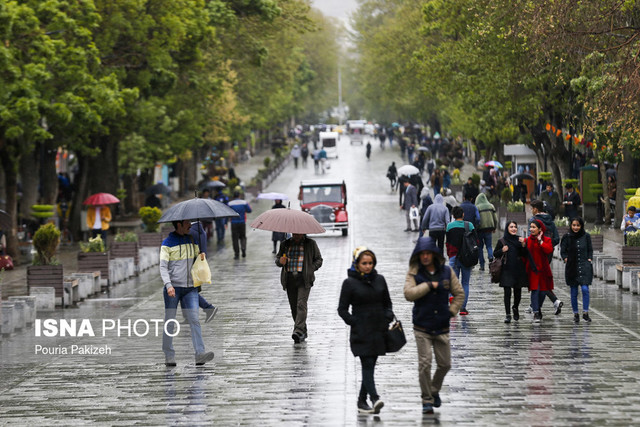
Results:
<point x="538" y="269"/>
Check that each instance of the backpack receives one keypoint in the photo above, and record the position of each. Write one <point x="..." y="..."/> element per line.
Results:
<point x="468" y="254"/>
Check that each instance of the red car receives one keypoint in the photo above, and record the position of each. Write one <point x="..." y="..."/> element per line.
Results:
<point x="327" y="201"/>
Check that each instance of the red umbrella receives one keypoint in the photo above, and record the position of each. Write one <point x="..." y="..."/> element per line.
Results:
<point x="101" y="199"/>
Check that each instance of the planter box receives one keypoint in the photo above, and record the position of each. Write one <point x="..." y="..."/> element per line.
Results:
<point x="519" y="217"/>
<point x="563" y="230"/>
<point x="597" y="241"/>
<point x="94" y="261"/>
<point x="149" y="239"/>
<point x="47" y="276"/>
<point x="125" y="250"/>
<point x="631" y="255"/>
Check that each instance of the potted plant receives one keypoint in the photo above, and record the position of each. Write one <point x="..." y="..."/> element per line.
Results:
<point x="93" y="257"/>
<point x="597" y="239"/>
<point x="125" y="245"/>
<point x="515" y="212"/>
<point x="631" y="252"/>
<point x="562" y="224"/>
<point x="150" y="236"/>
<point x="46" y="271"/>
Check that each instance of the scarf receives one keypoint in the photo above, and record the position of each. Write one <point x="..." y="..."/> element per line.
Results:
<point x="572" y="259"/>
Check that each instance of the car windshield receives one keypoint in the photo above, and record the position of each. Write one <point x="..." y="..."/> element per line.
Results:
<point x="322" y="194"/>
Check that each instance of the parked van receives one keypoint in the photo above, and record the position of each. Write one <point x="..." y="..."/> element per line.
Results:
<point x="329" y="141"/>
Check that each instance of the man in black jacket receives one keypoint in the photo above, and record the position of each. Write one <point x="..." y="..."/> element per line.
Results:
<point x="470" y="191"/>
<point x="428" y="284"/>
<point x="299" y="258"/>
<point x="571" y="202"/>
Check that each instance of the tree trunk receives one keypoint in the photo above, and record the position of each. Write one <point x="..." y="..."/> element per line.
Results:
<point x="9" y="165"/>
<point x="605" y="193"/>
<point x="49" y="177"/>
<point x="30" y="177"/>
<point x="132" y="202"/>
<point x="626" y="179"/>
<point x="104" y="167"/>
<point x="82" y="191"/>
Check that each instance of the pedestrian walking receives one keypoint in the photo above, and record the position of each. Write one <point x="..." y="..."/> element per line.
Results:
<point x="366" y="292"/>
<point x="221" y="223"/>
<point x="577" y="252"/>
<point x="177" y="255"/>
<point x="304" y="153"/>
<point x="98" y="218"/>
<point x="410" y="202"/>
<point x="571" y="202"/>
<point x="299" y="257"/>
<point x="551" y="200"/>
<point x="436" y="182"/>
<point x="368" y="150"/>
<point x="470" y="191"/>
<point x="538" y="268"/>
<point x="471" y="212"/>
<point x="487" y="225"/>
<point x="392" y="174"/>
<point x="199" y="235"/>
<point x="277" y="236"/>
<point x="435" y="220"/>
<point x="455" y="235"/>
<point x="322" y="157"/>
<point x="296" y="153"/>
<point x="239" y="225"/>
<point x="513" y="276"/>
<point x="551" y="231"/>
<point x="428" y="284"/>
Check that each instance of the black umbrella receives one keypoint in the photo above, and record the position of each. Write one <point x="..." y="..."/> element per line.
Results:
<point x="5" y="221"/>
<point x="522" y="176"/>
<point x="158" y="188"/>
<point x="212" y="185"/>
<point x="197" y="209"/>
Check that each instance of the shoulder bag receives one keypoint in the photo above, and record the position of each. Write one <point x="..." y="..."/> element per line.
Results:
<point x="394" y="338"/>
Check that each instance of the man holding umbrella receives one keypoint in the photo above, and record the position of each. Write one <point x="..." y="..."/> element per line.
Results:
<point x="299" y="257"/>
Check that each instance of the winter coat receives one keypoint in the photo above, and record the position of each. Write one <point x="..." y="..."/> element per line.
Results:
<point x="471" y="213"/>
<point x="571" y="211"/>
<point x="410" y="197"/>
<point x="514" y="273"/>
<point x="488" y="217"/>
<point x="470" y="192"/>
<point x="105" y="217"/>
<point x="312" y="261"/>
<point x="431" y="309"/>
<point x="551" y="229"/>
<point x="436" y="216"/>
<point x="582" y="273"/>
<point x="540" y="276"/>
<point x="553" y="200"/>
<point x="370" y="314"/>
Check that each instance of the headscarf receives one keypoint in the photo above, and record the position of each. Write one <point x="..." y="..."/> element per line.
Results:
<point x="357" y="254"/>
<point x="572" y="259"/>
<point x="508" y="238"/>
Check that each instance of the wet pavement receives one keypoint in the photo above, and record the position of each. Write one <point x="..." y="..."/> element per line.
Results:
<point x="555" y="373"/>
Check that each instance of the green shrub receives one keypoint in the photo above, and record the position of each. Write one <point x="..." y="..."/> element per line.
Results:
<point x="475" y="178"/>
<point x="129" y="236"/>
<point x="633" y="238"/>
<point x="516" y="206"/>
<point x="95" y="245"/>
<point x="562" y="221"/>
<point x="595" y="231"/>
<point x="506" y="195"/>
<point x="150" y="217"/>
<point x="544" y="175"/>
<point x="46" y="241"/>
<point x="630" y="191"/>
<point x="42" y="211"/>
<point x="267" y="162"/>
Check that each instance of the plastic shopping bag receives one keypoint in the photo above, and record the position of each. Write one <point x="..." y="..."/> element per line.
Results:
<point x="200" y="272"/>
<point x="414" y="213"/>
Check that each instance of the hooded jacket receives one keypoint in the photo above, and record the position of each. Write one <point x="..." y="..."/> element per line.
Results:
<point x="437" y="215"/>
<point x="177" y="255"/>
<point x="431" y="309"/>
<point x="488" y="218"/>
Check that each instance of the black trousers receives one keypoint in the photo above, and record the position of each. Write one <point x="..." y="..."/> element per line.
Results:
<point x="368" y="384"/>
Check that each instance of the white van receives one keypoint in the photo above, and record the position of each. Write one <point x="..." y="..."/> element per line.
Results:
<point x="329" y="141"/>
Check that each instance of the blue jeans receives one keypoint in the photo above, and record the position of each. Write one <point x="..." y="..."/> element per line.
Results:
<point x="220" y="223"/>
<point x="484" y="239"/>
<point x="464" y="279"/>
<point x="585" y="298"/>
<point x="537" y="298"/>
<point x="188" y="298"/>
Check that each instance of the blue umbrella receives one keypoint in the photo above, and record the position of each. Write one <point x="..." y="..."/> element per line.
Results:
<point x="197" y="209"/>
<point x="494" y="164"/>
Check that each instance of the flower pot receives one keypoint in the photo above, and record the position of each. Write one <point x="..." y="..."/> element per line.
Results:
<point x="631" y="254"/>
<point x="94" y="261"/>
<point x="519" y="217"/>
<point x="125" y="250"/>
<point x="149" y="239"/>
<point x="597" y="241"/>
<point x="562" y="230"/>
<point x="46" y="276"/>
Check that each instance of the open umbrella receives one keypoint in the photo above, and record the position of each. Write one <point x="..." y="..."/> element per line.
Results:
<point x="522" y="176"/>
<point x="272" y="196"/>
<point x="194" y="209"/>
<point x="423" y="148"/>
<point x="287" y="221"/>
<point x="211" y="185"/>
<point x="408" y="170"/>
<point x="101" y="199"/>
<point x="494" y="164"/>
<point x="158" y="188"/>
<point x="5" y="221"/>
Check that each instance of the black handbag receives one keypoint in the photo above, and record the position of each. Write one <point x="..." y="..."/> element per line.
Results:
<point x="394" y="338"/>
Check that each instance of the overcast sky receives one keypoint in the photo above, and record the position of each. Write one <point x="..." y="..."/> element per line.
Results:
<point x="336" y="8"/>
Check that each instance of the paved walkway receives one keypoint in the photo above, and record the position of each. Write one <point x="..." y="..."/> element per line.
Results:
<point x="555" y="373"/>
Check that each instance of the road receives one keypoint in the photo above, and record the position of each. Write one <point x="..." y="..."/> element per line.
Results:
<point x="556" y="373"/>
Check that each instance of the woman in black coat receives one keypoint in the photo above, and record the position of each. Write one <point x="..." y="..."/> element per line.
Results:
<point x="514" y="273"/>
<point x="577" y="252"/>
<point x="366" y="292"/>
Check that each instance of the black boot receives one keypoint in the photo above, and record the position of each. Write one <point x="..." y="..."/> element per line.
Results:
<point x="516" y="313"/>
<point x="363" y="407"/>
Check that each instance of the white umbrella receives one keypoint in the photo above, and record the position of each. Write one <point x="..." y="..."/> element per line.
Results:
<point x="272" y="196"/>
<point x="408" y="170"/>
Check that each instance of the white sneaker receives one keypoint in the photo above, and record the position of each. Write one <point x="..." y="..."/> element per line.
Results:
<point x="558" y="306"/>
<point x="529" y="309"/>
